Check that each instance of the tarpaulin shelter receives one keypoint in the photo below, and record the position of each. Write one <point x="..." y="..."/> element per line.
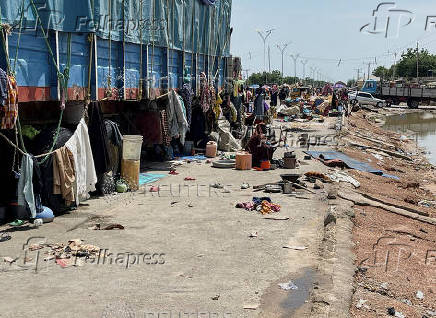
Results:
<point x="112" y="44"/>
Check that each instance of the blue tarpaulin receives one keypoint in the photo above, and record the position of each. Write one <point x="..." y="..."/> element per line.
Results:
<point x="146" y="178"/>
<point x="192" y="26"/>
<point x="349" y="162"/>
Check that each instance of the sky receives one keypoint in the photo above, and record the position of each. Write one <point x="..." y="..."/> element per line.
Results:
<point x="327" y="34"/>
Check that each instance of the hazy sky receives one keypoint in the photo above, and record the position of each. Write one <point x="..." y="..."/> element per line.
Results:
<point x="324" y="32"/>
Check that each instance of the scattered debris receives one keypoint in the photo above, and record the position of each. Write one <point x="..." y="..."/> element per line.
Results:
<point x="427" y="204"/>
<point x="362" y="303"/>
<point x="318" y="184"/>
<point x="114" y="227"/>
<point x="217" y="186"/>
<point x="9" y="260"/>
<point x="109" y="227"/>
<point x="253" y="234"/>
<point x="154" y="189"/>
<point x="340" y="176"/>
<point x="297" y="248"/>
<point x="407" y="302"/>
<point x="251" y="307"/>
<point x="189" y="179"/>
<point x="5" y="237"/>
<point x="216" y="297"/>
<point x="288" y="286"/>
<point x="245" y="186"/>
<point x="317" y="175"/>
<point x="276" y="218"/>
<point x="263" y="205"/>
<point x="420" y="295"/>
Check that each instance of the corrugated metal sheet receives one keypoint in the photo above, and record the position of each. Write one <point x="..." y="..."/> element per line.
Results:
<point x="118" y="67"/>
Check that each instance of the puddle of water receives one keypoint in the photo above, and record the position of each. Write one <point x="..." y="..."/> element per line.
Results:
<point x="423" y="124"/>
<point x="297" y="298"/>
<point x="277" y="302"/>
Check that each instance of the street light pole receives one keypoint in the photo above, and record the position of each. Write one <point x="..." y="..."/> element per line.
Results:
<point x="295" y="58"/>
<point x="312" y="70"/>
<point x="282" y="51"/>
<point x="264" y="36"/>
<point x="304" y="70"/>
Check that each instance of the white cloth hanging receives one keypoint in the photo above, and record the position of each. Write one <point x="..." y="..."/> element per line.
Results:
<point x="80" y="147"/>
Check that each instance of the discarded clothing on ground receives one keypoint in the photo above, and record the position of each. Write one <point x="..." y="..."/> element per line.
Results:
<point x="264" y="205"/>
<point x="80" y="147"/>
<point x="341" y="158"/>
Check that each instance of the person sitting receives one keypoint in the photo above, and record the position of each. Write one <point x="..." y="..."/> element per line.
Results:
<point x="259" y="147"/>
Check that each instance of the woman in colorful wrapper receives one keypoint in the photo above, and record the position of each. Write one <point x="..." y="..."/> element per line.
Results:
<point x="259" y="147"/>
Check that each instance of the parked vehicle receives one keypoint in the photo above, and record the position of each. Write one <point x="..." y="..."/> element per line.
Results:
<point x="366" y="99"/>
<point x="401" y="92"/>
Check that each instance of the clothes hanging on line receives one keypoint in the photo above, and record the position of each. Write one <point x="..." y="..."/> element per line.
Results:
<point x="37" y="182"/>
<point x="98" y="138"/>
<point x="3" y="87"/>
<point x="187" y="94"/>
<point x="166" y="139"/>
<point x="86" y="176"/>
<point x="150" y="126"/>
<point x="178" y="125"/>
<point x="25" y="185"/>
<point x="64" y="175"/>
<point x="205" y="96"/>
<point x="9" y="108"/>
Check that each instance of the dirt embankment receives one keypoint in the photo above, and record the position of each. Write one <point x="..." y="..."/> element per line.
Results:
<point x="395" y="254"/>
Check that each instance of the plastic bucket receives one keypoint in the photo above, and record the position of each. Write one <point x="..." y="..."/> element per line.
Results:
<point x="132" y="145"/>
<point x="188" y="148"/>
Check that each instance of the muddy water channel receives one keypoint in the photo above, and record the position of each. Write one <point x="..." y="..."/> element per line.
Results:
<point x="423" y="124"/>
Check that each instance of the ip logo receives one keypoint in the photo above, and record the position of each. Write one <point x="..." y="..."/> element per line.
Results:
<point x="388" y="20"/>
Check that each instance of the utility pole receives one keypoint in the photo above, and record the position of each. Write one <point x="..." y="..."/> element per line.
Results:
<point x="358" y="74"/>
<point x="369" y="69"/>
<point x="282" y="51"/>
<point x="295" y="58"/>
<point x="269" y="59"/>
<point x="417" y="61"/>
<point x="304" y="70"/>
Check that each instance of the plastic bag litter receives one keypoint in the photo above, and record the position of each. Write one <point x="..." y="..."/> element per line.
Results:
<point x="288" y="286"/>
<point x="340" y="176"/>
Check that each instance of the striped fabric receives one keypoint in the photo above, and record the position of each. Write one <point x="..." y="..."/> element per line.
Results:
<point x="9" y="111"/>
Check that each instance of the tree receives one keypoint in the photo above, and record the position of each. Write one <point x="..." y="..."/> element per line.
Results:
<point x="274" y="77"/>
<point x="406" y="67"/>
<point x="382" y="72"/>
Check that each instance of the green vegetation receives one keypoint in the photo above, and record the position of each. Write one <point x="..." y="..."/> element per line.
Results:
<point x="275" y="77"/>
<point x="406" y="66"/>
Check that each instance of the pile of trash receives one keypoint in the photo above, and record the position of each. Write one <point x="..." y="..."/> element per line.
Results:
<point x="71" y="254"/>
<point x="263" y="205"/>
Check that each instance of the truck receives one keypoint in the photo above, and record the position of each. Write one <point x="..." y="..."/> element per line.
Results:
<point x="400" y="91"/>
